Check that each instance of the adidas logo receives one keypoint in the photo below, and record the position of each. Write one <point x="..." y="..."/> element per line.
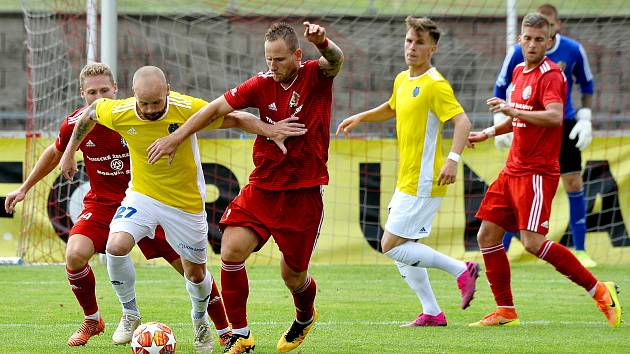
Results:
<point x="545" y="224"/>
<point x="423" y="230"/>
<point x="90" y="143"/>
<point x="272" y="106"/>
<point x="132" y="131"/>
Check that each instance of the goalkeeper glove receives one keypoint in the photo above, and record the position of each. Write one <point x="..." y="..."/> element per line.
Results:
<point x="504" y="141"/>
<point x="583" y="129"/>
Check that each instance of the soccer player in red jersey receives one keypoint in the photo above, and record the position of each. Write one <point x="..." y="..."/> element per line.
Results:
<point x="520" y="199"/>
<point x="106" y="160"/>
<point x="284" y="194"/>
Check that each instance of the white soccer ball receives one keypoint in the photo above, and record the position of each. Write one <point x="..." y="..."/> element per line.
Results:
<point x="153" y="338"/>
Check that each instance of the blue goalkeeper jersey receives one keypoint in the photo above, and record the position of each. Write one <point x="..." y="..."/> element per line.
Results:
<point x="568" y="54"/>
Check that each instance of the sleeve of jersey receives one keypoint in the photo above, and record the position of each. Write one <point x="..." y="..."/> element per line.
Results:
<point x="65" y="132"/>
<point x="582" y="72"/>
<point x="553" y="88"/>
<point x="392" y="98"/>
<point x="444" y="104"/>
<point x="505" y="74"/>
<point x="244" y="95"/>
<point x="197" y="105"/>
<point x="104" y="114"/>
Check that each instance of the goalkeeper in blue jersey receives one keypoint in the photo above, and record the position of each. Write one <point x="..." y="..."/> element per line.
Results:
<point x="570" y="56"/>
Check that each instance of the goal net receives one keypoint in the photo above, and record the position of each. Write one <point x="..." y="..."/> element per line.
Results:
<point x="207" y="47"/>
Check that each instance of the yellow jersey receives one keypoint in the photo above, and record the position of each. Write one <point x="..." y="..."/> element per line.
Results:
<point x="180" y="185"/>
<point x="422" y="105"/>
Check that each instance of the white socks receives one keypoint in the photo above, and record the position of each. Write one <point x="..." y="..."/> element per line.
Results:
<point x="199" y="297"/>
<point x="122" y="275"/>
<point x="420" y="255"/>
<point x="418" y="280"/>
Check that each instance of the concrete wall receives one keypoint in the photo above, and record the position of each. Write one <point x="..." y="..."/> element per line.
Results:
<point x="207" y="56"/>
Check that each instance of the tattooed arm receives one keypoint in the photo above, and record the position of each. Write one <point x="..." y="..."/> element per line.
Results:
<point x="332" y="56"/>
<point x="82" y="127"/>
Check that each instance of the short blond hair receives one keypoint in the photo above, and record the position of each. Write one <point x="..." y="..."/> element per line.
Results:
<point x="96" y="69"/>
<point x="424" y="24"/>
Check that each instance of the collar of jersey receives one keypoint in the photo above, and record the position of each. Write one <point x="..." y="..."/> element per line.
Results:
<point x="525" y="71"/>
<point x="411" y="78"/>
<point x="556" y="45"/>
<point x="135" y="110"/>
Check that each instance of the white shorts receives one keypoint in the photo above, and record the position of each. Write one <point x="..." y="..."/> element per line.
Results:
<point x="187" y="233"/>
<point x="411" y="217"/>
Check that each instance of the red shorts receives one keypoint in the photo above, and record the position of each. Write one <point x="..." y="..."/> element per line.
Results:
<point x="519" y="202"/>
<point x="93" y="222"/>
<point x="292" y="217"/>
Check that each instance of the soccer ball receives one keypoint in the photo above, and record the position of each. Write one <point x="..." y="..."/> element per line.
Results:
<point x="153" y="338"/>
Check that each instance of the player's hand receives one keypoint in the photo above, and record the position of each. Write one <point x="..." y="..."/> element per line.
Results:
<point x="68" y="166"/>
<point x="347" y="125"/>
<point x="498" y="105"/>
<point x="313" y="33"/>
<point x="12" y="199"/>
<point x="583" y="129"/>
<point x="165" y="145"/>
<point x="476" y="137"/>
<point x="283" y="129"/>
<point x="504" y="141"/>
<point x="448" y="173"/>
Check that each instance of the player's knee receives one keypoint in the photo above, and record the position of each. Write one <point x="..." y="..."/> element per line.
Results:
<point x="75" y="260"/>
<point x="196" y="274"/>
<point x="572" y="182"/>
<point x="119" y="244"/>
<point x="531" y="245"/>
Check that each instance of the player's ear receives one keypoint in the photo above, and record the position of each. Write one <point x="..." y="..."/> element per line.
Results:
<point x="298" y="54"/>
<point x="168" y="89"/>
<point x="115" y="88"/>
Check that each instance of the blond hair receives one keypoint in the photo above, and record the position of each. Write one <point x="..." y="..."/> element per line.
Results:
<point x="96" y="69"/>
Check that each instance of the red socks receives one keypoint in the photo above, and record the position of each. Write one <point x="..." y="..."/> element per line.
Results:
<point x="216" y="311"/>
<point x="566" y="263"/>
<point x="235" y="290"/>
<point x="304" y="300"/>
<point x="83" y="286"/>
<point x="498" y="274"/>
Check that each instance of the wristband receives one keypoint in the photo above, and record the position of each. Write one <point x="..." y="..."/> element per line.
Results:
<point x="490" y="131"/>
<point x="453" y="156"/>
<point x="322" y="45"/>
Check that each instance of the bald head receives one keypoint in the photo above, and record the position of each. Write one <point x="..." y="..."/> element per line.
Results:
<point x="151" y="91"/>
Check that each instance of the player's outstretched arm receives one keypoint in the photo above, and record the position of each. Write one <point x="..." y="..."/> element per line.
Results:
<point x="332" y="56"/>
<point x="378" y="114"/>
<point x="168" y="145"/>
<point x="44" y="165"/>
<point x="82" y="127"/>
<point x="448" y="172"/>
<point x="503" y="127"/>
<point x="278" y="132"/>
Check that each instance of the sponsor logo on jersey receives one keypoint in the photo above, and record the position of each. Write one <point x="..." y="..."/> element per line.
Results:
<point x="416" y="91"/>
<point x="272" y="106"/>
<point x="90" y="143"/>
<point x="132" y="131"/>
<point x="172" y="127"/>
<point x="527" y="92"/>
<point x="295" y="97"/>
<point x="117" y="164"/>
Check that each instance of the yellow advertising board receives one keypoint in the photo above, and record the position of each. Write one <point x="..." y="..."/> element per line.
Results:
<point x="362" y="180"/>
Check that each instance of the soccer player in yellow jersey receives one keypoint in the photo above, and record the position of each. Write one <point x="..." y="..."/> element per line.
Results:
<point x="421" y="101"/>
<point x="170" y="192"/>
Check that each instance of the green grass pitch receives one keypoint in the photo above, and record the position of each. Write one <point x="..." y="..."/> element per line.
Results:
<point x="361" y="308"/>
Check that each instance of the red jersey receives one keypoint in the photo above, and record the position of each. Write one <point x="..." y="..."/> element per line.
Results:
<point x="106" y="159"/>
<point x="535" y="149"/>
<point x="309" y="97"/>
